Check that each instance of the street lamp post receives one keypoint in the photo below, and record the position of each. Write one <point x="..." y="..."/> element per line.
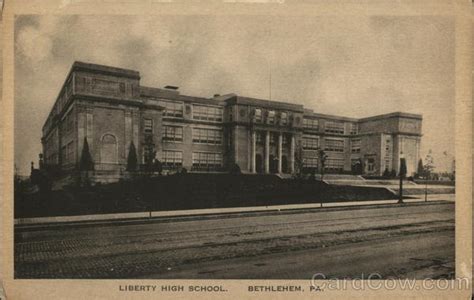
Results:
<point x="322" y="158"/>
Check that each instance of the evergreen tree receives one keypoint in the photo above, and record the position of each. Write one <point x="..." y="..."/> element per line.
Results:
<point x="132" y="160"/>
<point x="421" y="170"/>
<point x="86" y="163"/>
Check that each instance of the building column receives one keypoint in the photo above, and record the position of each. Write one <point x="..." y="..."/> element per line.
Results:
<point x="267" y="152"/>
<point x="280" y="151"/>
<point x="252" y="152"/>
<point x="292" y="154"/>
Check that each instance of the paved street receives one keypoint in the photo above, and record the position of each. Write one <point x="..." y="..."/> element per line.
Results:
<point x="415" y="240"/>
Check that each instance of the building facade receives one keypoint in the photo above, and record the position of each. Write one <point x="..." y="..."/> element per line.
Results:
<point x="108" y="108"/>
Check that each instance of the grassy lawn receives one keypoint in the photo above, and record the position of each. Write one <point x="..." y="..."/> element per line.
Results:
<point x="188" y="191"/>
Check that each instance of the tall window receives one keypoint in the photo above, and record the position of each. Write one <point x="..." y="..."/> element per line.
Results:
<point x="271" y="117"/>
<point x="148" y="126"/>
<point x="284" y="118"/>
<point x="260" y="137"/>
<point x="173" y="134"/>
<point x="172" y="109"/>
<point x="355" y="146"/>
<point x="258" y="115"/>
<point x="172" y="159"/>
<point x="207" y="113"/>
<point x="207" y="161"/>
<point x="334" y="127"/>
<point x="354" y="128"/>
<point x="273" y="138"/>
<point x="334" y="145"/>
<point x="108" y="150"/>
<point x="310" y="143"/>
<point x="311" y="124"/>
<point x="207" y="136"/>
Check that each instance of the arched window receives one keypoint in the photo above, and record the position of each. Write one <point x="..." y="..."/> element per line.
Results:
<point x="108" y="149"/>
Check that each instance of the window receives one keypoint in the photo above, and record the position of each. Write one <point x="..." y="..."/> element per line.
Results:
<point x="310" y="162"/>
<point x="371" y="165"/>
<point x="260" y="137"/>
<point x="284" y="118"/>
<point x="172" y="159"/>
<point x="334" y="127"/>
<point x="273" y="139"/>
<point x="271" y="117"/>
<point x="285" y="139"/>
<point x="334" y="145"/>
<point x="355" y="146"/>
<point x="173" y="134"/>
<point x="258" y="115"/>
<point x="148" y="126"/>
<point x="310" y="143"/>
<point x="207" y="136"/>
<point x="172" y="109"/>
<point x="354" y="128"/>
<point x="205" y="161"/>
<point x="207" y="113"/>
<point x="335" y="164"/>
<point x="311" y="124"/>
<point x="388" y="147"/>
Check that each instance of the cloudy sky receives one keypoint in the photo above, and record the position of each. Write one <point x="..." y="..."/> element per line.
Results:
<point x="350" y="66"/>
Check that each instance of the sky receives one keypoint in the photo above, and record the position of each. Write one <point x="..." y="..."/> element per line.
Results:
<point x="349" y="66"/>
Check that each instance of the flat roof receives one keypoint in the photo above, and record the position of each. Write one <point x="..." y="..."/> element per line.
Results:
<point x="88" y="67"/>
<point x="265" y="103"/>
<point x="158" y="93"/>
<point x="397" y="114"/>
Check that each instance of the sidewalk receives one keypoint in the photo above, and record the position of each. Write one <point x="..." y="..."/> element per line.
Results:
<point x="220" y="211"/>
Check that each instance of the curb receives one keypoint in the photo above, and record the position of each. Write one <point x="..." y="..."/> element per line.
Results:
<point x="192" y="215"/>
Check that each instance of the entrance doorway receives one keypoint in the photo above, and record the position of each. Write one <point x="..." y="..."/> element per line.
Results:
<point x="259" y="163"/>
<point x="284" y="164"/>
<point x="273" y="164"/>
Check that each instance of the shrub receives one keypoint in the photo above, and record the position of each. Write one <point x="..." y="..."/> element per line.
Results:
<point x="235" y="169"/>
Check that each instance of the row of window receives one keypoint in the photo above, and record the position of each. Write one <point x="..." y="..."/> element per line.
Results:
<point x="207" y="136"/>
<point x="207" y="113"/>
<point x="330" y="127"/>
<point x="334" y="127"/>
<point x="333" y="145"/>
<point x="200" y="135"/>
<point x="271" y="117"/>
<point x="310" y="143"/>
<point x="200" y="112"/>
<point x="336" y="164"/>
<point x="201" y="160"/>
